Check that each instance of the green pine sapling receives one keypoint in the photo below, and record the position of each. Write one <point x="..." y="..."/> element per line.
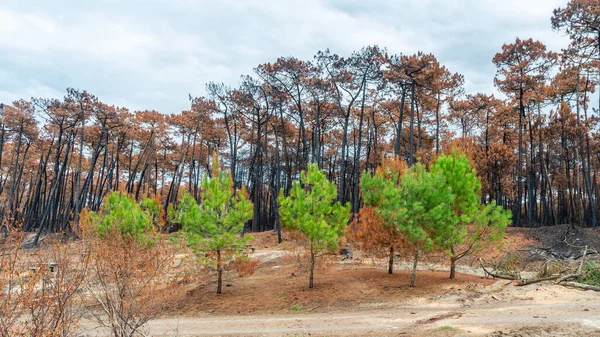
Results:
<point x="424" y="215"/>
<point x="154" y="209"/>
<point x="215" y="226"/>
<point x="312" y="210"/>
<point x="478" y="225"/>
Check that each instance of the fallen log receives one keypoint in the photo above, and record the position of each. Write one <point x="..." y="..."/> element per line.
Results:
<point x="580" y="286"/>
<point x="524" y="282"/>
<point x="496" y="275"/>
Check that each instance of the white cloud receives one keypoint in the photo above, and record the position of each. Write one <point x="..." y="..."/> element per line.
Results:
<point x="150" y="54"/>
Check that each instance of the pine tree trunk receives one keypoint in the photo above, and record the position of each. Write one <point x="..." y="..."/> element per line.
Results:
<point x="219" y="272"/>
<point x="414" y="270"/>
<point x="276" y="184"/>
<point x="342" y="187"/>
<point x="452" y="268"/>
<point x="520" y="162"/>
<point x="399" y="124"/>
<point x="411" y="159"/>
<point x="391" y="261"/>
<point x="419" y="138"/>
<point x="585" y="160"/>
<point x="312" y="268"/>
<point x="356" y="186"/>
<point x="437" y="125"/>
<point x="531" y="180"/>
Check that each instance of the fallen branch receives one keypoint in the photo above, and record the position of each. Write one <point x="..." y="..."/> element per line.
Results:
<point x="524" y="282"/>
<point x="579" y="269"/>
<point x="580" y="285"/>
<point x="567" y="277"/>
<point x="496" y="275"/>
<point x="588" y="253"/>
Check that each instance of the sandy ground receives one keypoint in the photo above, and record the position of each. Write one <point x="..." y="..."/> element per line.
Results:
<point x="500" y="309"/>
<point x="358" y="300"/>
<point x="501" y="320"/>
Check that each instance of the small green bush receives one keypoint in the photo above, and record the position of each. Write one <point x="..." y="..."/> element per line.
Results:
<point x="154" y="210"/>
<point x="590" y="274"/>
<point x="120" y="212"/>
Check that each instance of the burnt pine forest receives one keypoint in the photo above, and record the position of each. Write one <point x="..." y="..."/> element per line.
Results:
<point x="536" y="145"/>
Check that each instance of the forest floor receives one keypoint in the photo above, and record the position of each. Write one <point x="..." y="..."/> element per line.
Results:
<point x="357" y="297"/>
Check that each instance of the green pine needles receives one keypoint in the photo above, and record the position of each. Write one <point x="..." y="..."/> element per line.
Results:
<point x="311" y="209"/>
<point x="420" y="209"/>
<point x="478" y="226"/>
<point x="437" y="209"/>
<point x="120" y="212"/>
<point x="213" y="228"/>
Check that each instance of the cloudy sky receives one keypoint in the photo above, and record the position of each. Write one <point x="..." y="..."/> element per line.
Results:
<point x="150" y="54"/>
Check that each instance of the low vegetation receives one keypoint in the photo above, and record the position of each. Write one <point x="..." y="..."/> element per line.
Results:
<point x="590" y="274"/>
<point x="130" y="278"/>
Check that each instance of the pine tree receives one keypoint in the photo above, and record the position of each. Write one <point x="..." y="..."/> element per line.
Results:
<point x="466" y="188"/>
<point x="425" y="216"/>
<point x="311" y="209"/>
<point x="478" y="225"/>
<point x="213" y="228"/>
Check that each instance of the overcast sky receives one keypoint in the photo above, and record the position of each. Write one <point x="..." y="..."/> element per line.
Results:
<point x="150" y="54"/>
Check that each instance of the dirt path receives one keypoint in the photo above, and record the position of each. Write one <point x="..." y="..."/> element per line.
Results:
<point x="500" y="310"/>
<point x="563" y="320"/>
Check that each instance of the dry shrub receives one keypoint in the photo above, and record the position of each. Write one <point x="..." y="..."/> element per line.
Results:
<point x="38" y="292"/>
<point x="243" y="266"/>
<point x="64" y="269"/>
<point x="18" y="287"/>
<point x="372" y="237"/>
<point x="131" y="279"/>
<point x="508" y="265"/>
<point x="295" y="250"/>
<point x="552" y="267"/>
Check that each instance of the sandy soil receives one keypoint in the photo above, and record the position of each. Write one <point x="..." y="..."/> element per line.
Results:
<point x="499" y="309"/>
<point x="358" y="298"/>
